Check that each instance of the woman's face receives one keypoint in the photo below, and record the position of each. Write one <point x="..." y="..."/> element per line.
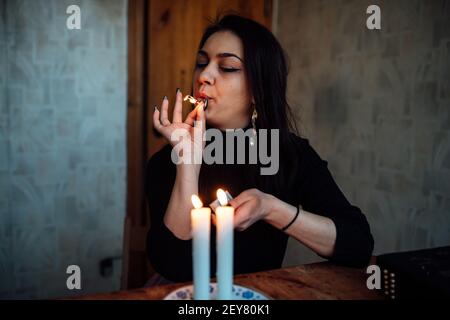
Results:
<point x="220" y="75"/>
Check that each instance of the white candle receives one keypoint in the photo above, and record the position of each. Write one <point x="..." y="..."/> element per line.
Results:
<point x="224" y="223"/>
<point x="200" y="224"/>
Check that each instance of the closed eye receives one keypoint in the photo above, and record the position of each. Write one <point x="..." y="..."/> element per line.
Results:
<point x="229" y="69"/>
<point x="201" y="65"/>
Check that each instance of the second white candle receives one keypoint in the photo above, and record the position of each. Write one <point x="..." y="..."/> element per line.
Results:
<point x="225" y="229"/>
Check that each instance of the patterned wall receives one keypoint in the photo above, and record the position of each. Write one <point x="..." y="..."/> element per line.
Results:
<point x="62" y="145"/>
<point x="5" y="240"/>
<point x="375" y="104"/>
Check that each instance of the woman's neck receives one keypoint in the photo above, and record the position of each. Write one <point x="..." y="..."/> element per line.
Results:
<point x="231" y="127"/>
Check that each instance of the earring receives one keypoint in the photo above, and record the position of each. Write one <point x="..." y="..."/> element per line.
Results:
<point x="254" y="137"/>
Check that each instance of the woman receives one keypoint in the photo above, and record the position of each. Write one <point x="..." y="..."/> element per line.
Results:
<point x="241" y="69"/>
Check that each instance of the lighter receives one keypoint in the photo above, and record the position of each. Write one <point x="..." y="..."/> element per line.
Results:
<point x="213" y="205"/>
<point x="195" y="101"/>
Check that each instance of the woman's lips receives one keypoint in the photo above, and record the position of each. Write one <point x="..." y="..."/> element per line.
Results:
<point x="206" y="99"/>
<point x="202" y="95"/>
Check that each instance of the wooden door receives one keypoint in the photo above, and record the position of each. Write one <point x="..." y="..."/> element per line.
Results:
<point x="162" y="42"/>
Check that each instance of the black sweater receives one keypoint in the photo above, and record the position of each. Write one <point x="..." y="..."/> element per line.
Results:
<point x="261" y="246"/>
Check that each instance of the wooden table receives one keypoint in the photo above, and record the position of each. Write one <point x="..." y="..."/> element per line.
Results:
<point x="314" y="281"/>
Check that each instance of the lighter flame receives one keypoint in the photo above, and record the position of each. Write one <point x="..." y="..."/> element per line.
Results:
<point x="191" y="99"/>
<point x="196" y="102"/>
<point x="196" y="202"/>
<point x="222" y="196"/>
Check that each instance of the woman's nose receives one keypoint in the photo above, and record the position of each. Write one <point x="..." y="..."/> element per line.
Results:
<point x="206" y="76"/>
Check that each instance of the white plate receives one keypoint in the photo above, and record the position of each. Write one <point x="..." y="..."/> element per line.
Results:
<point x="239" y="293"/>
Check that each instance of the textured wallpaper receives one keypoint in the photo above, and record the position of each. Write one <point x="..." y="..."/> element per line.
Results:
<point x="375" y="104"/>
<point x="62" y="145"/>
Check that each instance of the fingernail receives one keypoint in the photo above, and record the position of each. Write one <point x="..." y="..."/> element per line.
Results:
<point x="178" y="90"/>
<point x="156" y="108"/>
<point x="165" y="98"/>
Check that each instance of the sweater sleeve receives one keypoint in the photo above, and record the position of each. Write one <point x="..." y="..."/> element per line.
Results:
<point x="170" y="256"/>
<point x="321" y="195"/>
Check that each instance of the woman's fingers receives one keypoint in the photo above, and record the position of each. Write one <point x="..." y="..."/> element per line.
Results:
<point x="190" y="119"/>
<point x="197" y="117"/>
<point x="242" y="216"/>
<point x="243" y="197"/>
<point x="177" y="110"/>
<point x="200" y="117"/>
<point x="164" y="112"/>
<point x="242" y="205"/>
<point x="156" y="122"/>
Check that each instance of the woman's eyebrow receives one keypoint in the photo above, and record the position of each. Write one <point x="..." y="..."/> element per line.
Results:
<point x="227" y="54"/>
<point x="220" y="55"/>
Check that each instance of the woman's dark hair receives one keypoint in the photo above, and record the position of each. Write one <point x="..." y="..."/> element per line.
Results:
<point x="266" y="73"/>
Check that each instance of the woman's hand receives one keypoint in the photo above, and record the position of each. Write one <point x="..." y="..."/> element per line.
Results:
<point x="250" y="206"/>
<point x="186" y="137"/>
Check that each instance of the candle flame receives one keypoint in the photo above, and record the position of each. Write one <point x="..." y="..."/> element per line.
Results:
<point x="222" y="196"/>
<point x="196" y="202"/>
